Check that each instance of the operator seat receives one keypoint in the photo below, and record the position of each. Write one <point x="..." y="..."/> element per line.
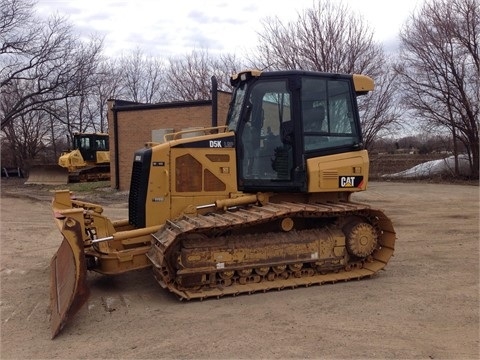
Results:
<point x="313" y="119"/>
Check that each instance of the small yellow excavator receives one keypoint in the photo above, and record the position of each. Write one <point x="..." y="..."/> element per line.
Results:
<point x="88" y="161"/>
<point x="261" y="203"/>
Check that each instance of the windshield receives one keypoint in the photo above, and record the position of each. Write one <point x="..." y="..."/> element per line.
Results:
<point x="328" y="116"/>
<point x="236" y="107"/>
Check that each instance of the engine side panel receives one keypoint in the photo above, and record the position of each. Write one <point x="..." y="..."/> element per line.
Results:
<point x="347" y="172"/>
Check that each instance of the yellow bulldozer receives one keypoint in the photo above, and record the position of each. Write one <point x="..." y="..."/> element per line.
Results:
<point x="88" y="161"/>
<point x="261" y="203"/>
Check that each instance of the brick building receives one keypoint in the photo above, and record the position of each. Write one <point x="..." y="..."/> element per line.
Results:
<point x="131" y="125"/>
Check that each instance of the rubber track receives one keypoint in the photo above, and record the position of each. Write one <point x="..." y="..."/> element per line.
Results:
<point x="253" y="215"/>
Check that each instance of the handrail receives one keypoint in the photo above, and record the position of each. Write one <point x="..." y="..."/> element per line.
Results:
<point x="206" y="131"/>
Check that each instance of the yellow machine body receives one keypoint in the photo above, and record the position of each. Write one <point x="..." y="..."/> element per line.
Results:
<point x="261" y="203"/>
<point x="90" y="159"/>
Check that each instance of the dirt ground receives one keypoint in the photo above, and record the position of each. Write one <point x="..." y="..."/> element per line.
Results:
<point x="425" y="305"/>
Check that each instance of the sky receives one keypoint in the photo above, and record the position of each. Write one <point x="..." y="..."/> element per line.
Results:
<point x="176" y="27"/>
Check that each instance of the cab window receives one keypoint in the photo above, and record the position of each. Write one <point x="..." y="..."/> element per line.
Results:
<point x="327" y="116"/>
<point x="267" y="153"/>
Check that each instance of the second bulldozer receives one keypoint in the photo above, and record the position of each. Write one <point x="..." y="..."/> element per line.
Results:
<point x="88" y="161"/>
<point x="261" y="203"/>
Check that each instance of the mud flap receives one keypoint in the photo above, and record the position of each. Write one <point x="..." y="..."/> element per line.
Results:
<point x="68" y="273"/>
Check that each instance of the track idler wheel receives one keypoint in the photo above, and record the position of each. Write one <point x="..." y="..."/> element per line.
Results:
<point x="361" y="239"/>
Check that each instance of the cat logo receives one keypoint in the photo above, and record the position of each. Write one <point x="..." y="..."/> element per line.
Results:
<point x="350" y="181"/>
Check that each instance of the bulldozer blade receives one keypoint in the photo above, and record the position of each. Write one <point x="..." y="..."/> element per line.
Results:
<point x="47" y="175"/>
<point x="68" y="273"/>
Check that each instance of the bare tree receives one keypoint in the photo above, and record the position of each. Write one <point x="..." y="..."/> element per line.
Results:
<point x="14" y="14"/>
<point x="440" y="68"/>
<point x="27" y="138"/>
<point x="329" y="37"/>
<point x="43" y="64"/>
<point x="109" y="86"/>
<point x="44" y="57"/>
<point x="189" y="77"/>
<point x="380" y="110"/>
<point x="143" y="78"/>
<point x="225" y="65"/>
<point x="79" y="113"/>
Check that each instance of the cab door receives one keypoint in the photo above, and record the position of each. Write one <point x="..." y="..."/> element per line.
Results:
<point x="265" y="138"/>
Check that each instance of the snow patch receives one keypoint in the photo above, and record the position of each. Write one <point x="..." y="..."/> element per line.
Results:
<point x="434" y="168"/>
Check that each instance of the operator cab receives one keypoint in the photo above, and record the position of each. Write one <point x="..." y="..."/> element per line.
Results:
<point x="89" y="144"/>
<point x="283" y="118"/>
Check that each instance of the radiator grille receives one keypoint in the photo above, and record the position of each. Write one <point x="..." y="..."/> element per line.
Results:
<point x="138" y="187"/>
